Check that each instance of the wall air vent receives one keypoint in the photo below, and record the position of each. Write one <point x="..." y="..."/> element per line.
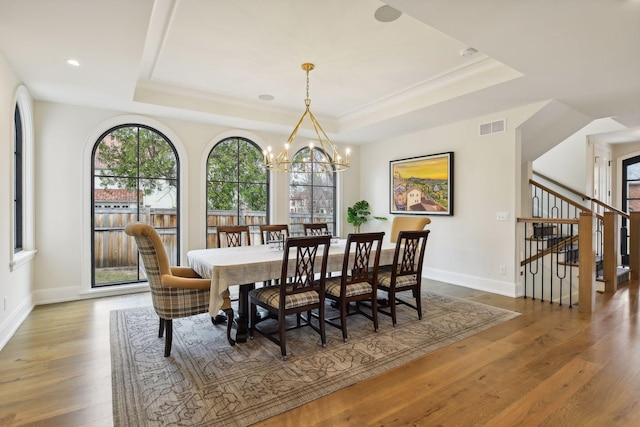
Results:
<point x="493" y="127"/>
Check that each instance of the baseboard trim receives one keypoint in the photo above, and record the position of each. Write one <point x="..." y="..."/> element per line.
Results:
<point x="474" y="282"/>
<point x="15" y="319"/>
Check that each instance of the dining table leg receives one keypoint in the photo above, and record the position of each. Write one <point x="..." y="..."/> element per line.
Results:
<point x="242" y="317"/>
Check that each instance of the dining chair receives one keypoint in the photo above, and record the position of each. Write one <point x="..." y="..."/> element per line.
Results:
<point x="273" y="232"/>
<point x="175" y="291"/>
<point x="406" y="272"/>
<point x="407" y="223"/>
<point x="358" y="281"/>
<point x="301" y="290"/>
<point x="316" y="229"/>
<point x="233" y="235"/>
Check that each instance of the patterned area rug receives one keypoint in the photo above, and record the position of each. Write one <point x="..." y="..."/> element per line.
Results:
<point x="206" y="382"/>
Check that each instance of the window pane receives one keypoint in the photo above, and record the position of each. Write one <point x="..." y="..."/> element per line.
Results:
<point x="252" y="167"/>
<point x="117" y="154"/>
<point x="633" y="172"/>
<point x="223" y="161"/>
<point x="157" y="159"/>
<point x="222" y="196"/>
<point x="253" y="197"/>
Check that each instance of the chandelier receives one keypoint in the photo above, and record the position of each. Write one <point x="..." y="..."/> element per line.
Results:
<point x="331" y="161"/>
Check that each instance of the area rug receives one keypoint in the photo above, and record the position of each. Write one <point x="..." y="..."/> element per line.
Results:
<point x="206" y="382"/>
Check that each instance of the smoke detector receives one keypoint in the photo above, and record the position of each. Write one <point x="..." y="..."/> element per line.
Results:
<point x="468" y="52"/>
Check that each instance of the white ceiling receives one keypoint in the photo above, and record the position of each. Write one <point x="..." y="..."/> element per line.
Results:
<point x="210" y="60"/>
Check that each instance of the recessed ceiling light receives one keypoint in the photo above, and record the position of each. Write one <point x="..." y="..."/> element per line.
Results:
<point x="266" y="97"/>
<point x="387" y="14"/>
<point x="73" y="62"/>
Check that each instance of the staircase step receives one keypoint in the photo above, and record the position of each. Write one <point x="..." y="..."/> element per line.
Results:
<point x="540" y="230"/>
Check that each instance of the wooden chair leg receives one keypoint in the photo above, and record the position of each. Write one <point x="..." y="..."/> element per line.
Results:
<point x="343" y="318"/>
<point x="283" y="335"/>
<point x="169" y="337"/>
<point x="374" y="313"/>
<point x="323" y="334"/>
<point x="392" y="303"/>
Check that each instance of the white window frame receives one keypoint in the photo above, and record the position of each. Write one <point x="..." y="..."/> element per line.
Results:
<point x="24" y="103"/>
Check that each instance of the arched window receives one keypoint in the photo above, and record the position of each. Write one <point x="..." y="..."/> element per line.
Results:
<point x="312" y="196"/>
<point x="22" y="238"/>
<point x="18" y="194"/>
<point x="237" y="187"/>
<point x="135" y="173"/>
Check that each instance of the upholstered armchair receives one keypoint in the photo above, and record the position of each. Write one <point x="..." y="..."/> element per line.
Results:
<point x="407" y="223"/>
<point x="175" y="291"/>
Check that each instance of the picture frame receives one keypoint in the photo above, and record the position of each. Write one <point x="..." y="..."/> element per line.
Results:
<point x="422" y="185"/>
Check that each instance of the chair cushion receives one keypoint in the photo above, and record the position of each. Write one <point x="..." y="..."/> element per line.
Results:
<point x="270" y="295"/>
<point x="384" y="280"/>
<point x="332" y="287"/>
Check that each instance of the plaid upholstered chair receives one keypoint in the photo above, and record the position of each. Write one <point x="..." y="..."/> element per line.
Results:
<point x="298" y="292"/>
<point x="175" y="291"/>
<point x="406" y="271"/>
<point x="358" y="280"/>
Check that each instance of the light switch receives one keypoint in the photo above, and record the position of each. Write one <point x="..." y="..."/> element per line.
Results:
<point x="502" y="216"/>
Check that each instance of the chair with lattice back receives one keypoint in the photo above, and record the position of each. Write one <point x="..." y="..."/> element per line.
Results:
<point x="233" y="235"/>
<point x="301" y="290"/>
<point x="316" y="229"/>
<point x="272" y="232"/>
<point x="358" y="281"/>
<point x="405" y="273"/>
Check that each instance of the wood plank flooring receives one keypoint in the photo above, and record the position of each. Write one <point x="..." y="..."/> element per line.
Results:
<point x="551" y="366"/>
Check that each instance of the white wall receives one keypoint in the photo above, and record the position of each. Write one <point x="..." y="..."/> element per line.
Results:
<point x="469" y="247"/>
<point x="16" y="282"/>
<point x="571" y="161"/>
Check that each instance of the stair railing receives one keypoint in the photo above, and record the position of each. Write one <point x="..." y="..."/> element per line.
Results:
<point x="550" y="271"/>
<point x="611" y="238"/>
<point x="553" y="265"/>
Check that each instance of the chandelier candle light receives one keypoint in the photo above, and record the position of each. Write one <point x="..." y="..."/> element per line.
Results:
<point x="283" y="163"/>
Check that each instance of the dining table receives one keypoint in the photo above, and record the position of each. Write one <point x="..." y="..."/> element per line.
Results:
<point x="243" y="266"/>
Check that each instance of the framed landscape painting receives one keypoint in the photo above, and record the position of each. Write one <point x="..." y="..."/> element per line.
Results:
<point x="422" y="185"/>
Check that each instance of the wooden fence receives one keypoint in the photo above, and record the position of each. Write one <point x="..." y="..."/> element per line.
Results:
<point x="114" y="249"/>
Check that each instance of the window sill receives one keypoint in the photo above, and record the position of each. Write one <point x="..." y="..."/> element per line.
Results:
<point x="21" y="258"/>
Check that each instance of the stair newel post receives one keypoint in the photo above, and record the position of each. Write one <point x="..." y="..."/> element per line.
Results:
<point x="634" y="245"/>
<point x="611" y="252"/>
<point x="587" y="263"/>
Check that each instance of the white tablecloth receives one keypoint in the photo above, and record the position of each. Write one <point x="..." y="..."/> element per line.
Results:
<point x="249" y="264"/>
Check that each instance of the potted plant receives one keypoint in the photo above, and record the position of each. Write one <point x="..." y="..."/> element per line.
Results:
<point x="359" y="213"/>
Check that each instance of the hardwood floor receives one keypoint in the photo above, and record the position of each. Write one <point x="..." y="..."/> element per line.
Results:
<point x="551" y="366"/>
